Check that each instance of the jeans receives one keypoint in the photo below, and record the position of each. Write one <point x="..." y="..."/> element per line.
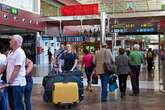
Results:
<point x="15" y="94"/>
<point x="88" y="71"/>
<point x="28" y="92"/>
<point x="3" y="99"/>
<point x="104" y="82"/>
<point x="135" y="78"/>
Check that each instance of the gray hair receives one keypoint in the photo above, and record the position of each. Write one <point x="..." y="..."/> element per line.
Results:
<point x="136" y="47"/>
<point x="18" y="39"/>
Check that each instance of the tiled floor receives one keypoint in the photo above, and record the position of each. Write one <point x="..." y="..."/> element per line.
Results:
<point x="150" y="96"/>
<point x="148" y="100"/>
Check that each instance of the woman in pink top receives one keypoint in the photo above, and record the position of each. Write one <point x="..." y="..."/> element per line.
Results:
<point x="87" y="64"/>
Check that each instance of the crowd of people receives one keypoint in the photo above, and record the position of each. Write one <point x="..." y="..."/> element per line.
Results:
<point x="127" y="63"/>
<point x="17" y="69"/>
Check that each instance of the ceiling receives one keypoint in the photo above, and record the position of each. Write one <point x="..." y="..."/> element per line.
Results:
<point x="120" y="6"/>
<point x="110" y="6"/>
<point x="68" y="2"/>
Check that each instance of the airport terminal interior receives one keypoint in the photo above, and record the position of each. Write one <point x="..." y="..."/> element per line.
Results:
<point x="88" y="24"/>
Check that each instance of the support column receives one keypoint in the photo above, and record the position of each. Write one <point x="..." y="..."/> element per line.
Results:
<point x="114" y="52"/>
<point x="38" y="47"/>
<point x="61" y="29"/>
<point x="163" y="63"/>
<point x="81" y="26"/>
<point x="123" y="43"/>
<point x="103" y="35"/>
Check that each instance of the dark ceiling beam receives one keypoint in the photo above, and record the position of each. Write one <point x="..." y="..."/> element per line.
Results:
<point x="68" y="2"/>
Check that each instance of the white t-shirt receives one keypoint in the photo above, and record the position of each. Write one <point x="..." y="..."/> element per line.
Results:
<point x="17" y="58"/>
<point x="2" y="62"/>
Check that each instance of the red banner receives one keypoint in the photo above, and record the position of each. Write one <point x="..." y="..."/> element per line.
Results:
<point x="162" y="25"/>
<point x="75" y="10"/>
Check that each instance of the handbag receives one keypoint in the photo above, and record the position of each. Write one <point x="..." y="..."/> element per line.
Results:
<point x="109" y="67"/>
<point x="105" y="67"/>
<point x="94" y="78"/>
<point x="113" y="68"/>
<point x="112" y="83"/>
<point x="113" y="86"/>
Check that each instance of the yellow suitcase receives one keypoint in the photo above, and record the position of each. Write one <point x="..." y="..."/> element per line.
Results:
<point x="65" y="93"/>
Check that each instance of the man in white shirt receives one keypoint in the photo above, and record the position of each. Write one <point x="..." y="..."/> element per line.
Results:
<point x="3" y="92"/>
<point x="15" y="73"/>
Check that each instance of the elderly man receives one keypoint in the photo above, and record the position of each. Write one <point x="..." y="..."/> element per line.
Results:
<point x="15" y="64"/>
<point x="136" y="59"/>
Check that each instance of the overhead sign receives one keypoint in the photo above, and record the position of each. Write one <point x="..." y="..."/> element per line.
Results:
<point x="70" y="39"/>
<point x="76" y="10"/>
<point x="131" y="6"/>
<point x="14" y="11"/>
<point x="134" y="27"/>
<point x="47" y="37"/>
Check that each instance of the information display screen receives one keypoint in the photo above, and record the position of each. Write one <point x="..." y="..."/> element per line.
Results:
<point x="134" y="27"/>
<point x="70" y="39"/>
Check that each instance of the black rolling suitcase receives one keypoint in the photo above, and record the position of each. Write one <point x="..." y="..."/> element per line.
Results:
<point x="71" y="76"/>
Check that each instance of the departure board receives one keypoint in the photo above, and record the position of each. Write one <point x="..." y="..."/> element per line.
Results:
<point x="70" y="39"/>
<point x="134" y="27"/>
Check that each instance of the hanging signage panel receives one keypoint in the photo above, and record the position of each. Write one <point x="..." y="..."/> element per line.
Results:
<point x="75" y="10"/>
<point x="70" y="39"/>
<point x="134" y="27"/>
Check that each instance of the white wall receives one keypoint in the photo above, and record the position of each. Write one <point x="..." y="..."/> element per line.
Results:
<point x="28" y="5"/>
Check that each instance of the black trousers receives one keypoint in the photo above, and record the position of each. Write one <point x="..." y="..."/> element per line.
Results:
<point x="135" y="78"/>
<point x="122" y="82"/>
<point x="150" y="64"/>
